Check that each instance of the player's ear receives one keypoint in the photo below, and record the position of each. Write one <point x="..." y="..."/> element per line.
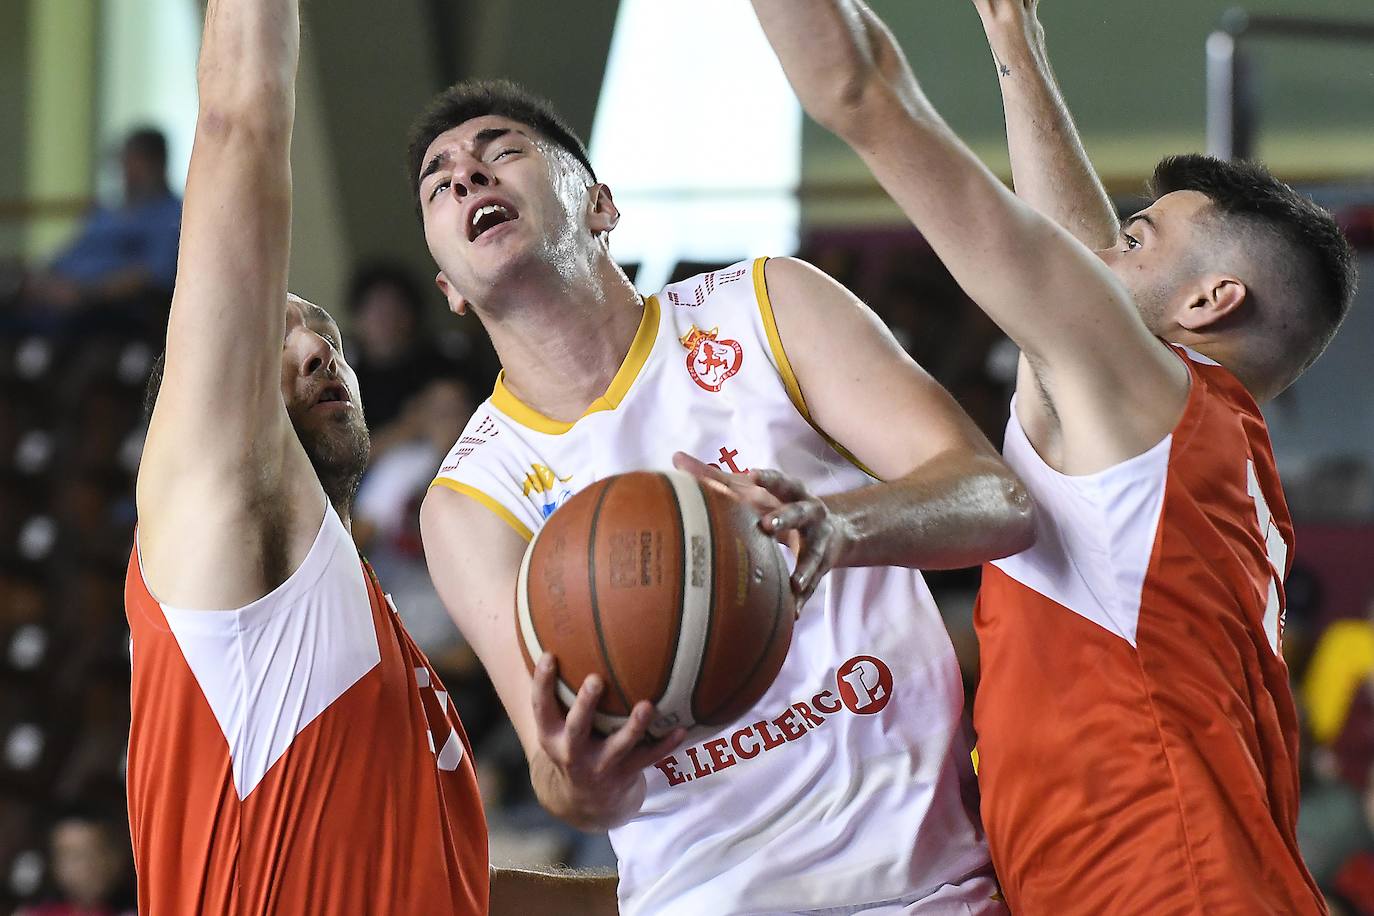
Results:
<point x="604" y="215"/>
<point x="456" y="303"/>
<point x="1221" y="296"/>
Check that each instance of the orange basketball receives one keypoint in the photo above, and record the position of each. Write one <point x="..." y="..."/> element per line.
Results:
<point x="668" y="590"/>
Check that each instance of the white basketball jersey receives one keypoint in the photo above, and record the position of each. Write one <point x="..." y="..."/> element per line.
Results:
<point x="848" y="785"/>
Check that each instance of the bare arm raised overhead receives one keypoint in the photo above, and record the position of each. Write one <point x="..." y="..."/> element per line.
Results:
<point x="1060" y="303"/>
<point x="1049" y="166"/>
<point x="228" y="502"/>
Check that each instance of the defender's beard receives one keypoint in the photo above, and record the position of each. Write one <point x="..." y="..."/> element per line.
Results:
<point x="339" y="455"/>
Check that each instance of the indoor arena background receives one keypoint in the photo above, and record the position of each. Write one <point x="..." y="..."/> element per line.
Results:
<point x="693" y="127"/>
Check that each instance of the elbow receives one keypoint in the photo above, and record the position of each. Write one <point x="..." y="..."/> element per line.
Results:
<point x="1017" y="509"/>
<point x="232" y="104"/>
<point x="850" y="103"/>
<point x="229" y="124"/>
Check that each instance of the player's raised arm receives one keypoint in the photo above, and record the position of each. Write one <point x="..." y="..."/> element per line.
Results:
<point x="1049" y="166"/>
<point x="219" y="441"/>
<point x="1061" y="304"/>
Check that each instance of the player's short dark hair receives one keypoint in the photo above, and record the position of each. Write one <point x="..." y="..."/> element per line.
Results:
<point x="476" y="98"/>
<point x="1317" y="261"/>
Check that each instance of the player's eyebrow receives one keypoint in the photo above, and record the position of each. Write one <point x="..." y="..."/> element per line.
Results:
<point x="434" y="165"/>
<point x="479" y="141"/>
<point x="484" y="137"/>
<point x="1143" y="218"/>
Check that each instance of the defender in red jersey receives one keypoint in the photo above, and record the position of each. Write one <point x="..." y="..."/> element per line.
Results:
<point x="1137" y="735"/>
<point x="292" y="751"/>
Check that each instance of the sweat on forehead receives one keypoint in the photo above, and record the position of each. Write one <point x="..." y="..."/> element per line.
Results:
<point x="477" y="138"/>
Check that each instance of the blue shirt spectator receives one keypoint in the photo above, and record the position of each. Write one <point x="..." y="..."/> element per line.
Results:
<point x="138" y="237"/>
<point x="123" y="254"/>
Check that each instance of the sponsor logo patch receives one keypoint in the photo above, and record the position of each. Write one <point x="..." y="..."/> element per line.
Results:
<point x="711" y="359"/>
<point x="862" y="687"/>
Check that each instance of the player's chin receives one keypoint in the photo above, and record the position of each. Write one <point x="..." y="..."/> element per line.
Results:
<point x="333" y="430"/>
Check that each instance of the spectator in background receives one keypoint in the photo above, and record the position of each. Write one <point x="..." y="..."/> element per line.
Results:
<point x="386" y="512"/>
<point x="1350" y="889"/>
<point x="1338" y="692"/>
<point x="91" y="868"/>
<point x="394" y="354"/>
<point x="124" y="254"/>
<point x="1332" y="831"/>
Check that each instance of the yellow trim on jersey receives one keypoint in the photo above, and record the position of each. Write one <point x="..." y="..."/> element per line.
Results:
<point x="789" y="378"/>
<point x="973" y="755"/>
<point x="770" y="327"/>
<point x="501" y="511"/>
<point x="640" y="348"/>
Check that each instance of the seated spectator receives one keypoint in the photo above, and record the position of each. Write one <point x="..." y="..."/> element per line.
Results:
<point x="386" y="513"/>
<point x="389" y="347"/>
<point x="92" y="868"/>
<point x="123" y="254"/>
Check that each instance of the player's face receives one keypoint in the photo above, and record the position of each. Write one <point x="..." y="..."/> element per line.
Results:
<point x="1158" y="255"/>
<point x="321" y="394"/>
<point x="495" y="198"/>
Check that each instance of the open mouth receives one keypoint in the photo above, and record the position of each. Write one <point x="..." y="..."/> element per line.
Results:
<point x="488" y="217"/>
<point x="333" y="394"/>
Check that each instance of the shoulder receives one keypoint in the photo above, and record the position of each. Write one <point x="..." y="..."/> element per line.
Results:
<point x="778" y="290"/>
<point x="483" y="478"/>
<point x="794" y="288"/>
<point x="694" y="292"/>
<point x="486" y="447"/>
<point x="812" y="311"/>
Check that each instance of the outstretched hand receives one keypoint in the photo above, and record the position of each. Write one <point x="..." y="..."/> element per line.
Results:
<point x="1015" y="19"/>
<point x="788" y="512"/>
<point x="588" y="780"/>
<point x="1005" y="8"/>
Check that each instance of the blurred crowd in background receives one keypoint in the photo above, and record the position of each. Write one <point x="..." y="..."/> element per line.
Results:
<point x="77" y="337"/>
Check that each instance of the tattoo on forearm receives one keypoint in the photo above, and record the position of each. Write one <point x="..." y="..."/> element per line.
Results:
<point x="1002" y="68"/>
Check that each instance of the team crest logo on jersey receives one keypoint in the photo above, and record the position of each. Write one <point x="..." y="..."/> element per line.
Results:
<point x="710" y="359"/>
<point x="544" y="482"/>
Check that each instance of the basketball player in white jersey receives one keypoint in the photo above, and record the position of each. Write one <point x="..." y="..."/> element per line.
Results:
<point x="844" y="789"/>
<point x="291" y="750"/>
<point x="1137" y="733"/>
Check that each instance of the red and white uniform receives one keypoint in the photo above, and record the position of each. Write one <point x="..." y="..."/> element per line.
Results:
<point x="1136" y="733"/>
<point x="298" y="755"/>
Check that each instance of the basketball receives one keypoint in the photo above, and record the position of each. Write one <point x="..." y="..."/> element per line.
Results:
<point x="668" y="590"/>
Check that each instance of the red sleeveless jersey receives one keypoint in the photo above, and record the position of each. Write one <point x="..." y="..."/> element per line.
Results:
<point x="1137" y="737"/>
<point x="298" y="755"/>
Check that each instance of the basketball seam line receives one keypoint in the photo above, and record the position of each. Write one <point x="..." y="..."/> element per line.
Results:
<point x="596" y="608"/>
<point x="711" y="636"/>
<point x="681" y="590"/>
<point x="767" y="644"/>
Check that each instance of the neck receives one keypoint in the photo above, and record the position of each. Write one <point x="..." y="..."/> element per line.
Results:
<point x="1225" y="353"/>
<point x="562" y="340"/>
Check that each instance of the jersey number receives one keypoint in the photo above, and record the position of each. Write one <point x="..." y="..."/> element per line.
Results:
<point x="1278" y="558"/>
